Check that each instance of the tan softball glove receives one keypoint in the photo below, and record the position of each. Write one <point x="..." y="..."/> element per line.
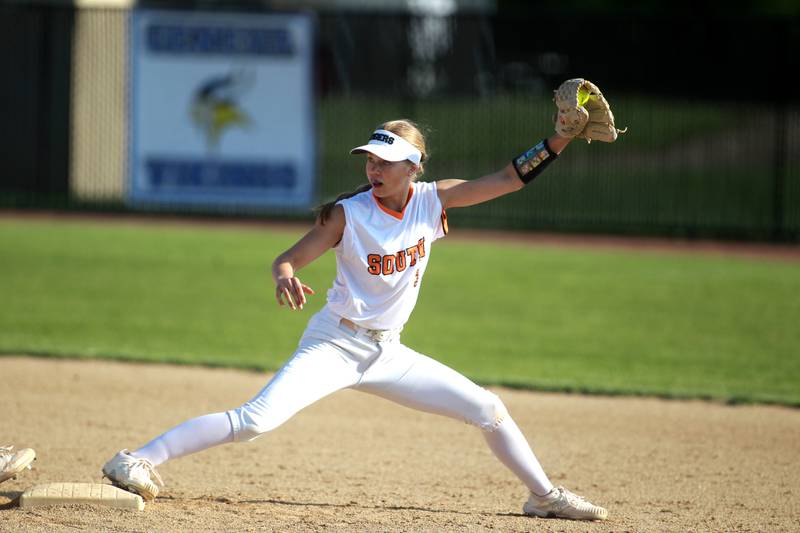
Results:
<point x="584" y="113"/>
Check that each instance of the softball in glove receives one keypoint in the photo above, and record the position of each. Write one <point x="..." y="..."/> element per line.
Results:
<point x="584" y="113"/>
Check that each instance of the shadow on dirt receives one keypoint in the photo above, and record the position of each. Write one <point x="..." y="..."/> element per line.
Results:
<point x="14" y="496"/>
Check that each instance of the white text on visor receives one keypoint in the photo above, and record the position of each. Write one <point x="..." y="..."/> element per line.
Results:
<point x="389" y="147"/>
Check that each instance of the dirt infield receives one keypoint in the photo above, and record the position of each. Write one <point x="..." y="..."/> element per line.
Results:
<point x="353" y="462"/>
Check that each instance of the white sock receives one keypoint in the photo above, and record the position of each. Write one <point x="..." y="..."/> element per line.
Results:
<point x="192" y="436"/>
<point x="512" y="449"/>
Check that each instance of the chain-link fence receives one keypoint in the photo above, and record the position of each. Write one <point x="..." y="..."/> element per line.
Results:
<point x="724" y="167"/>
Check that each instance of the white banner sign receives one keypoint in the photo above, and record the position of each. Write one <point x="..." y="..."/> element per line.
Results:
<point x="222" y="109"/>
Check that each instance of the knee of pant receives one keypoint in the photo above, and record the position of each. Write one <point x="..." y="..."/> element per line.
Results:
<point x="492" y="412"/>
<point x="249" y="423"/>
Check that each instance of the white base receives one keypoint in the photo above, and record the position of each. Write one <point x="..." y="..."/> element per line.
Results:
<point x="85" y="493"/>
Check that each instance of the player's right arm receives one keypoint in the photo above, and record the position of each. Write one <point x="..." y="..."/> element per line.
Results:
<point x="288" y="287"/>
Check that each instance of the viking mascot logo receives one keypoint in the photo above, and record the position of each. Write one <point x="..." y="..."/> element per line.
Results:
<point x="215" y="106"/>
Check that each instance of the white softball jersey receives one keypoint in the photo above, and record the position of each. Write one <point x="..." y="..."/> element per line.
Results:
<point x="382" y="257"/>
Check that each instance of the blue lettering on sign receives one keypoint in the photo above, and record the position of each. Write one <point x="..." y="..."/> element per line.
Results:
<point x="172" y="39"/>
<point x="218" y="176"/>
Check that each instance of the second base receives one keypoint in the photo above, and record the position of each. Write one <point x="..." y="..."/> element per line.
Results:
<point x="86" y="493"/>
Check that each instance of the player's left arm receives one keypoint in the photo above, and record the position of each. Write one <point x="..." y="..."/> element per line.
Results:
<point x="583" y="113"/>
<point x="463" y="193"/>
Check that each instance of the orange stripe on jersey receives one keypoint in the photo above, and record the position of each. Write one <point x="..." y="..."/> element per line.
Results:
<point x="395" y="214"/>
<point x="445" y="227"/>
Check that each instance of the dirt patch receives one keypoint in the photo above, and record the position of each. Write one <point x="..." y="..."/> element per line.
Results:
<point x="354" y="462"/>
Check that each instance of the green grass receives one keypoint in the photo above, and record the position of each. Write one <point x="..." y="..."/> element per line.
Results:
<point x="612" y="322"/>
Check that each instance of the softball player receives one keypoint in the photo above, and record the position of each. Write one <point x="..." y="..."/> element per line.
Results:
<point x="382" y="235"/>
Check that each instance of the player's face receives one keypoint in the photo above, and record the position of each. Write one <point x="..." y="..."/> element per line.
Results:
<point x="390" y="180"/>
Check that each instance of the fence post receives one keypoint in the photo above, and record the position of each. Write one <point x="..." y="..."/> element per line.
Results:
<point x="779" y="171"/>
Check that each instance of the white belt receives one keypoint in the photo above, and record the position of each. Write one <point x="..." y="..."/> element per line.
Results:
<point x="377" y="335"/>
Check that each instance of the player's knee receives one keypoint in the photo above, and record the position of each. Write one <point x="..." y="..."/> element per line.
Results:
<point x="492" y="412"/>
<point x="250" y="423"/>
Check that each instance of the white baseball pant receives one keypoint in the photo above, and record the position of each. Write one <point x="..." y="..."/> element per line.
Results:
<point x="330" y="357"/>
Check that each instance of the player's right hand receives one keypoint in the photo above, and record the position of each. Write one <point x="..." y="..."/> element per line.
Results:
<point x="292" y="292"/>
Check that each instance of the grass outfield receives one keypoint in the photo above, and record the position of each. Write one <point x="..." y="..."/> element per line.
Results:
<point x="521" y="315"/>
